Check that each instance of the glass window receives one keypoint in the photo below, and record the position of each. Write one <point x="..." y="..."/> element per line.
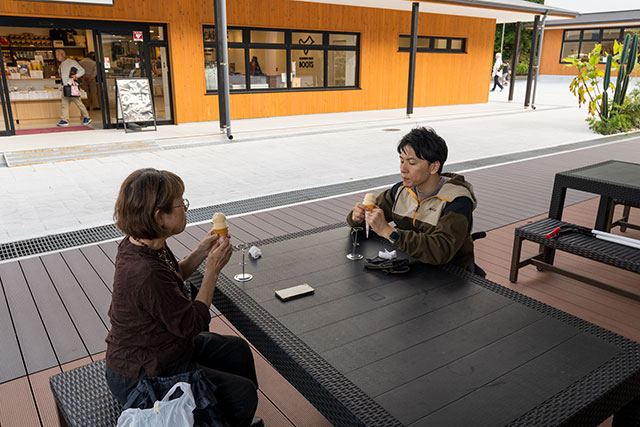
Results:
<point x="572" y="35"/>
<point x="264" y="59"/>
<point x="234" y="36"/>
<point x="343" y="39"/>
<point x="210" y="69"/>
<point x="423" y="42"/>
<point x="440" y="44"/>
<point x="433" y="44"/>
<point x="307" y="39"/>
<point x="267" y="68"/>
<point x="611" y="34"/>
<point x="631" y="30"/>
<point x="237" y="79"/>
<point x="591" y="35"/>
<point x="342" y="68"/>
<point x="209" y="35"/>
<point x="267" y="37"/>
<point x="157" y="32"/>
<point x="570" y="48"/>
<point x="586" y="48"/>
<point x="160" y="73"/>
<point x="307" y="68"/>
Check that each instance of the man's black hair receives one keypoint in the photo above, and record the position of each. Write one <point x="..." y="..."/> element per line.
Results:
<point x="427" y="144"/>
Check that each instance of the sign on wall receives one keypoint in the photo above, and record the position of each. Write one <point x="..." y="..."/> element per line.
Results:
<point x="98" y="2"/>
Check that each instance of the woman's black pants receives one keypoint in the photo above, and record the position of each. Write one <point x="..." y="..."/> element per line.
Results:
<point x="227" y="361"/>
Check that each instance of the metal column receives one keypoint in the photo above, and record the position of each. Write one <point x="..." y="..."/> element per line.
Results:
<point x="413" y="48"/>
<point x="532" y="58"/>
<point x="535" y="82"/>
<point x="515" y="60"/>
<point x="220" y="10"/>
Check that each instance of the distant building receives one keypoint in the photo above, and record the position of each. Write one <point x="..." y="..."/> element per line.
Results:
<point x="580" y="35"/>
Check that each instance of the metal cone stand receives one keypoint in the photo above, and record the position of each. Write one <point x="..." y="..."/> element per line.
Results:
<point x="353" y="256"/>
<point x="243" y="277"/>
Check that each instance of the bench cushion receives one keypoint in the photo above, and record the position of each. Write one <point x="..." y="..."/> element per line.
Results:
<point x="83" y="397"/>
<point x="579" y="244"/>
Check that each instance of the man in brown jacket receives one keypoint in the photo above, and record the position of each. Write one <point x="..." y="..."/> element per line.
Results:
<point x="432" y="211"/>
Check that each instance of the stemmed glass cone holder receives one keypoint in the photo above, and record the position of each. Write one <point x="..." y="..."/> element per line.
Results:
<point x="242" y="277"/>
<point x="354" y="256"/>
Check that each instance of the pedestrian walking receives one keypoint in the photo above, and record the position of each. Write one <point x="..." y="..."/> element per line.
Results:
<point x="69" y="70"/>
<point x="497" y="72"/>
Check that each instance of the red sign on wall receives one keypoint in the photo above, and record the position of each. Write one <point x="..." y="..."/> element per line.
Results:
<point x="137" y="36"/>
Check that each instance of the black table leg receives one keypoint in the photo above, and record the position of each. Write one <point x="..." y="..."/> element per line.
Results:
<point x="604" y="210"/>
<point x="557" y="200"/>
<point x="555" y="212"/>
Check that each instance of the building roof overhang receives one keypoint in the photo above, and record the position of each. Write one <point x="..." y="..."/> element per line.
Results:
<point x="587" y="19"/>
<point x="500" y="10"/>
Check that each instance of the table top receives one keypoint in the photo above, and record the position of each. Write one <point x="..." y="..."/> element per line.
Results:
<point x="435" y="346"/>
<point x="612" y="171"/>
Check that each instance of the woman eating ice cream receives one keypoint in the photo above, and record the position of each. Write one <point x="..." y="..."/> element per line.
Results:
<point x="157" y="329"/>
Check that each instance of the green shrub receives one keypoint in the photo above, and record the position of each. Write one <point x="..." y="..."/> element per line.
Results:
<point x="523" y="68"/>
<point x="622" y="118"/>
<point x="615" y="123"/>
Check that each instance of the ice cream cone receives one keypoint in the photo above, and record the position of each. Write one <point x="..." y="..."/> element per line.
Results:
<point x="222" y="232"/>
<point x="369" y="203"/>
<point x="220" y="226"/>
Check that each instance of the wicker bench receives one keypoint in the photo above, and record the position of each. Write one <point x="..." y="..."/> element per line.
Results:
<point x="83" y="398"/>
<point x="578" y="244"/>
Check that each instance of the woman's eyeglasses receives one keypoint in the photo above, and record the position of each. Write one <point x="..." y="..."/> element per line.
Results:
<point x="184" y="205"/>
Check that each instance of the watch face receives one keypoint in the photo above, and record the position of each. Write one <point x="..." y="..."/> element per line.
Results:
<point x="394" y="236"/>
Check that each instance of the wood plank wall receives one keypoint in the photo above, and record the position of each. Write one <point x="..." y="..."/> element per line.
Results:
<point x="441" y="78"/>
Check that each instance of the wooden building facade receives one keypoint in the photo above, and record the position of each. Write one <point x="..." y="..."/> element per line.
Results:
<point x="453" y="63"/>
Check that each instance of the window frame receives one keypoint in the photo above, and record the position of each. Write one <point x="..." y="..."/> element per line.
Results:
<point x="599" y="40"/>
<point x="288" y="46"/>
<point x="431" y="48"/>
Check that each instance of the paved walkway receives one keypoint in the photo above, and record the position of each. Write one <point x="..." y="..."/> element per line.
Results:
<point x="270" y="155"/>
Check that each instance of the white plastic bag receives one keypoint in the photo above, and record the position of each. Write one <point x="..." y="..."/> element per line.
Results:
<point x="165" y="413"/>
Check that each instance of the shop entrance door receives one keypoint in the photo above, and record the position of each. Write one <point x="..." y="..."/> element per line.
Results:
<point x="6" y="124"/>
<point x="120" y="54"/>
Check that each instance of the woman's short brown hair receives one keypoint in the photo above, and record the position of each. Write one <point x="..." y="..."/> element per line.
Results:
<point x="144" y="194"/>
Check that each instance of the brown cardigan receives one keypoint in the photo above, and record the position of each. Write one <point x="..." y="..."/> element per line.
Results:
<point x="153" y="323"/>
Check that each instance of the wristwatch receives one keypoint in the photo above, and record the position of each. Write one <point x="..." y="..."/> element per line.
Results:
<point x="394" y="236"/>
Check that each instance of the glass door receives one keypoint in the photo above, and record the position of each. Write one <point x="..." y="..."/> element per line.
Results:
<point x="6" y="124"/>
<point x="118" y="56"/>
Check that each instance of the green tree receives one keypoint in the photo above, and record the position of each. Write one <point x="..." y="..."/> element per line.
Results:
<point x="509" y="38"/>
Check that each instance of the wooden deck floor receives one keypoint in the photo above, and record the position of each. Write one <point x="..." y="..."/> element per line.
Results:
<point x="53" y="307"/>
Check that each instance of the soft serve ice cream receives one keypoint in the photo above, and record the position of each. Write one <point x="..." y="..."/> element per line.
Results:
<point x="220" y="226"/>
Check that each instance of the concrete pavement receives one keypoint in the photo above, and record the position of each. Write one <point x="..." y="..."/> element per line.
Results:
<point x="270" y="155"/>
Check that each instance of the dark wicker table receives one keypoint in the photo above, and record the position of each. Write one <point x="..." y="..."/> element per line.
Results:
<point x="435" y="346"/>
<point x="612" y="180"/>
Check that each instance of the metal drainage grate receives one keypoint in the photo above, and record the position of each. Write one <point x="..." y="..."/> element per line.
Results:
<point x="92" y="235"/>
